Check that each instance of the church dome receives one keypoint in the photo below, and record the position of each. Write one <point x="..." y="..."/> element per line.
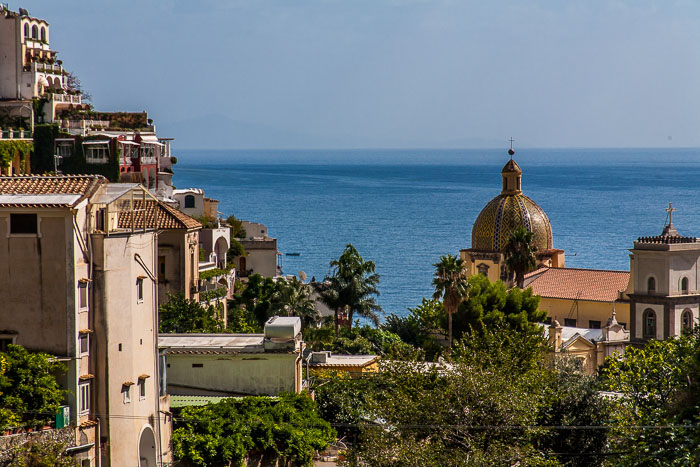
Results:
<point x="508" y="211"/>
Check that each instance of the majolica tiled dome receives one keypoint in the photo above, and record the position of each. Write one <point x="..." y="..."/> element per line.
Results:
<point x="508" y="211"/>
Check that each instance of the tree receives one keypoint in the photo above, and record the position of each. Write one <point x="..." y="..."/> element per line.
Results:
<point x="420" y="327"/>
<point x="352" y="287"/>
<point x="73" y="84"/>
<point x="179" y="314"/>
<point x="228" y="432"/>
<point x="520" y="255"/>
<point x="491" y="306"/>
<point x="29" y="386"/>
<point x="451" y="286"/>
<point x="257" y="297"/>
<point x="656" y="416"/>
<point x="237" y="230"/>
<point x="293" y="298"/>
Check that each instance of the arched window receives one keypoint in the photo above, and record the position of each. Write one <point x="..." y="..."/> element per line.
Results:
<point x="684" y="286"/>
<point x="189" y="201"/>
<point x="649" y="318"/>
<point x="26" y="29"/>
<point x="687" y="320"/>
<point x="43" y="33"/>
<point x="35" y="32"/>
<point x="651" y="285"/>
<point x="483" y="269"/>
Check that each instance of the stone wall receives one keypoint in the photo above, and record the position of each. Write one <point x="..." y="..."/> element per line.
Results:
<point x="9" y="442"/>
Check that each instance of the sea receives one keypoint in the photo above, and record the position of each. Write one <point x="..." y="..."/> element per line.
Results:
<point x="403" y="209"/>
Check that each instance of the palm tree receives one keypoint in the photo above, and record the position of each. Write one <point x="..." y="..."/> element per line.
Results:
<point x="293" y="298"/>
<point x="352" y="287"/>
<point x="451" y="285"/>
<point x="520" y="255"/>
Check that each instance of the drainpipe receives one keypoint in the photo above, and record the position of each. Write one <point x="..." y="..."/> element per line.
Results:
<point x="156" y="354"/>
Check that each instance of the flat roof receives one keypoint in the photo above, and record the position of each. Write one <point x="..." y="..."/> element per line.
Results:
<point x="212" y="343"/>
<point x="347" y="360"/>
<point x="183" y="401"/>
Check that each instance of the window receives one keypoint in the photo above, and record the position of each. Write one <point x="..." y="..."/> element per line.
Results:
<point x="649" y="323"/>
<point x="84" y="344"/>
<point x="651" y="285"/>
<point x="100" y="217"/>
<point x="126" y="392"/>
<point x="5" y="341"/>
<point x="483" y="269"/>
<point x="65" y="150"/>
<point x="85" y="463"/>
<point x="161" y="267"/>
<point x="35" y="32"/>
<point x="23" y="224"/>
<point x="687" y="320"/>
<point x="82" y="295"/>
<point x="84" y="402"/>
<point x="548" y="320"/>
<point x="97" y="154"/>
<point x="142" y="389"/>
<point x="570" y="322"/>
<point x="43" y="34"/>
<point x="592" y="324"/>
<point x="26" y="29"/>
<point x="189" y="201"/>
<point x="624" y="325"/>
<point x="139" y="289"/>
<point x="684" y="286"/>
<point x="198" y="365"/>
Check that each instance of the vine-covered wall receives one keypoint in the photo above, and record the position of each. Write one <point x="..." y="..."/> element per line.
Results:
<point x="9" y="149"/>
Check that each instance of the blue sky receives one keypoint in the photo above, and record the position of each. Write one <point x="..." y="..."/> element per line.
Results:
<point x="390" y="73"/>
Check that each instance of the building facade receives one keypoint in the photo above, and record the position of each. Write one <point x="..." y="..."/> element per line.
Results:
<point x="72" y="239"/>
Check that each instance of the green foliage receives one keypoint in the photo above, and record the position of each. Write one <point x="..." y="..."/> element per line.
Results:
<point x="237" y="230"/>
<point x="658" y="386"/>
<point x="263" y="298"/>
<point x="227" y="432"/>
<point x="360" y="340"/>
<point x="573" y="399"/>
<point x="44" y="137"/>
<point x="451" y="286"/>
<point x="519" y="254"/>
<point x="29" y="387"/>
<point x="293" y="298"/>
<point x="211" y="273"/>
<point x="9" y="149"/>
<point x="421" y="328"/>
<point x="180" y="315"/>
<point x="236" y="250"/>
<point x="44" y="453"/>
<point x="490" y="305"/>
<point x="207" y="223"/>
<point x="351" y="287"/>
<point x="241" y="321"/>
<point x="76" y="163"/>
<point x="212" y="294"/>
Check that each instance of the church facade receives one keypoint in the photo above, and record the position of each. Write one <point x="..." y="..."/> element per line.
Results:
<point x="602" y="311"/>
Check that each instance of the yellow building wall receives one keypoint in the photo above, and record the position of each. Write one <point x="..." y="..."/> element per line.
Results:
<point x="585" y="311"/>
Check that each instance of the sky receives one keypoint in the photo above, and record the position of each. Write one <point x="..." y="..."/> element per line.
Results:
<point x="391" y="73"/>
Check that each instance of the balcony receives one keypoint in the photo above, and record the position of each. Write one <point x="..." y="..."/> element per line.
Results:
<point x="53" y="69"/>
<point x="14" y="133"/>
<point x="65" y="98"/>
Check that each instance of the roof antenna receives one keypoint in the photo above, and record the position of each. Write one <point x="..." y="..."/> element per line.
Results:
<point x="511" y="151"/>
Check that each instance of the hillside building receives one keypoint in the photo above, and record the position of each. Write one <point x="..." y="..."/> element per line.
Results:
<point x="92" y="268"/>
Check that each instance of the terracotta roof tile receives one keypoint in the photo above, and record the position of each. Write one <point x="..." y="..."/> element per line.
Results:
<point x="55" y="185"/>
<point x="168" y="218"/>
<point x="584" y="284"/>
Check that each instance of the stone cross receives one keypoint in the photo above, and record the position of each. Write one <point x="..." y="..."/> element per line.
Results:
<point x="670" y="209"/>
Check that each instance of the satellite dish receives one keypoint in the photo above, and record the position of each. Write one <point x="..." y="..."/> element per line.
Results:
<point x="302" y="275"/>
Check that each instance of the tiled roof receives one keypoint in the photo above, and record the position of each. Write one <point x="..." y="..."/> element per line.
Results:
<point x="55" y="184"/>
<point x="17" y="188"/>
<point x="584" y="284"/>
<point x="168" y="218"/>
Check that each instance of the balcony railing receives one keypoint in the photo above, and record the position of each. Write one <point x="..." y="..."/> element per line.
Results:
<point x="83" y="124"/>
<point x="13" y="133"/>
<point x="54" y="69"/>
<point x="67" y="98"/>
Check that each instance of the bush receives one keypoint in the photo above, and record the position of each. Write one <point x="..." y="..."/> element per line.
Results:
<point x="227" y="432"/>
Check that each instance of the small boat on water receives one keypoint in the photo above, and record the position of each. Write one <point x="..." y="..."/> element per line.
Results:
<point x="292" y="254"/>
